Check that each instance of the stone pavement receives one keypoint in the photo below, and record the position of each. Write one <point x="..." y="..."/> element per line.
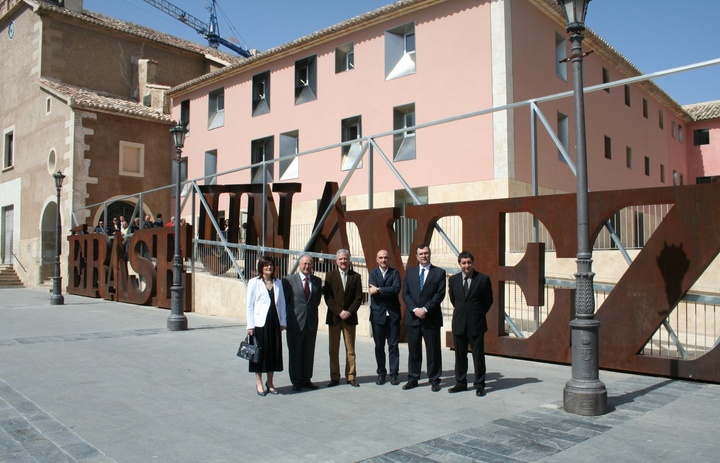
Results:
<point x="97" y="381"/>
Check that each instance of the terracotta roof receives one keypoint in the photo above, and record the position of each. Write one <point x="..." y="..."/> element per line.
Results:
<point x="129" y="28"/>
<point x="82" y="98"/>
<point x="704" y="111"/>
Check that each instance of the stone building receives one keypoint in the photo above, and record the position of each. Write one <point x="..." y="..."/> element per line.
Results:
<point x="83" y="94"/>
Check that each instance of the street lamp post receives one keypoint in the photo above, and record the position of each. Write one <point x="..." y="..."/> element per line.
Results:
<point x="177" y="321"/>
<point x="584" y="393"/>
<point x="57" y="297"/>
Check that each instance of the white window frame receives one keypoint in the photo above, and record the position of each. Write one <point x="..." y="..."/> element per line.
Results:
<point x="8" y="148"/>
<point x="141" y="158"/>
<point x="216" y="108"/>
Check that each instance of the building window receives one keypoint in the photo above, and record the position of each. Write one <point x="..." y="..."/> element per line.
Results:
<point x="404" y="147"/>
<point x="261" y="94"/>
<point x="560" y="56"/>
<point x="701" y="137"/>
<point x="185" y="113"/>
<point x="662" y="173"/>
<point x="306" y="80"/>
<point x="647" y="166"/>
<point x="673" y="130"/>
<point x="210" y="167"/>
<point x="400" y="51"/>
<point x="216" y="108"/>
<point x="675" y="177"/>
<point x="262" y="150"/>
<point x="606" y="78"/>
<point x="345" y="58"/>
<point x="563" y="131"/>
<point x="645" y="108"/>
<point x="661" y="119"/>
<point x="682" y="180"/>
<point x="289" y="163"/>
<point x="680" y="133"/>
<point x="627" y="95"/>
<point x="48" y="105"/>
<point x="608" y="147"/>
<point x="628" y="157"/>
<point x="132" y="159"/>
<point x="351" y="129"/>
<point x="8" y="147"/>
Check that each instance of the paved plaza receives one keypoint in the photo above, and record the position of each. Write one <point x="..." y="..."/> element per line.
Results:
<point x="98" y="381"/>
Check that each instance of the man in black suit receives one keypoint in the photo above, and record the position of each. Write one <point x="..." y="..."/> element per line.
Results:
<point x="343" y="296"/>
<point x="384" y="288"/>
<point x="303" y="292"/>
<point x="423" y="291"/>
<point x="471" y="296"/>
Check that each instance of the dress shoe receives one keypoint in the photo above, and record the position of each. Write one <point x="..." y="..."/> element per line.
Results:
<point x="261" y="394"/>
<point x="436" y="386"/>
<point x="480" y="392"/>
<point x="457" y="388"/>
<point x="353" y="383"/>
<point x="310" y="385"/>
<point x="271" y="390"/>
<point x="333" y="383"/>
<point x="410" y="384"/>
<point x="394" y="380"/>
<point x="296" y="387"/>
<point x="380" y="380"/>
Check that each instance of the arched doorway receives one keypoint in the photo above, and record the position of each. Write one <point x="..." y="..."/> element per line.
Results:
<point x="47" y="240"/>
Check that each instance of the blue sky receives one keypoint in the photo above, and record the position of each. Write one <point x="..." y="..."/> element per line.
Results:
<point x="653" y="34"/>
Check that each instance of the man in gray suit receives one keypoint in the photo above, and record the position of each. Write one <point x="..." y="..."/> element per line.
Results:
<point x="303" y="292"/>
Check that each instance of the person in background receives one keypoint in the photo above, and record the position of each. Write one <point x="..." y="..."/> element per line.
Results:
<point x="158" y="221"/>
<point x="266" y="319"/>
<point x="171" y="223"/>
<point x="100" y="227"/>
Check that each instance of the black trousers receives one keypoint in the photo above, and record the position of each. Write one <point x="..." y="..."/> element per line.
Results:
<point x="301" y="355"/>
<point x="415" y="336"/>
<point x="477" y="343"/>
<point x="390" y="332"/>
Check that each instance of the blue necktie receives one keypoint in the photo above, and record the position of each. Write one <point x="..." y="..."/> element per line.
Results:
<point x="422" y="278"/>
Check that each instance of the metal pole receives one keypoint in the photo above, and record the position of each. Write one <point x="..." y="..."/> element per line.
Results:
<point x="584" y="393"/>
<point x="57" y="297"/>
<point x="177" y="321"/>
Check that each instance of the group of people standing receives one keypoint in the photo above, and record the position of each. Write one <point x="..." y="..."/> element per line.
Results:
<point x="292" y="304"/>
<point x="119" y="224"/>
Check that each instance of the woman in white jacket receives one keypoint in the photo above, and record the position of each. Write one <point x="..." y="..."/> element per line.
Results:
<point x="266" y="319"/>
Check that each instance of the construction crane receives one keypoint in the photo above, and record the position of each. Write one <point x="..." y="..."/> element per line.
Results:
<point x="210" y="31"/>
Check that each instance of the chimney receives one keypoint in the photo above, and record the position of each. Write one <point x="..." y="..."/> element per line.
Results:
<point x="74" y="5"/>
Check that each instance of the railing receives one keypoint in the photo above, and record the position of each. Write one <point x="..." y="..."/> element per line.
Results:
<point x="691" y="330"/>
<point x="18" y="261"/>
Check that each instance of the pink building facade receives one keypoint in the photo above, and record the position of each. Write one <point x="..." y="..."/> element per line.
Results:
<point x="417" y="62"/>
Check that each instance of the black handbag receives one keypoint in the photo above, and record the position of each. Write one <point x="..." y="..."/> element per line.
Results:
<point x="249" y="350"/>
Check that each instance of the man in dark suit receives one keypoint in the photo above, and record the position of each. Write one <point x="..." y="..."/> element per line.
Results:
<point x="343" y="296"/>
<point x="384" y="288"/>
<point x="423" y="291"/>
<point x="471" y="296"/>
<point x="303" y="292"/>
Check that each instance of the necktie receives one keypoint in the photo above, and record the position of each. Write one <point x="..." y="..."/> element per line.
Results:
<point x="422" y="278"/>
<point x="306" y="287"/>
<point x="344" y="279"/>
<point x="466" y="286"/>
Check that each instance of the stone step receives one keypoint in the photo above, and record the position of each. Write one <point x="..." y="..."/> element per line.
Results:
<point x="8" y="277"/>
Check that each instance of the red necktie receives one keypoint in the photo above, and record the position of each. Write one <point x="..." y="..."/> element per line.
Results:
<point x="307" y="289"/>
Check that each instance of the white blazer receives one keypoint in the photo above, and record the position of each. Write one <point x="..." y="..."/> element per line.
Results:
<point x="258" y="302"/>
